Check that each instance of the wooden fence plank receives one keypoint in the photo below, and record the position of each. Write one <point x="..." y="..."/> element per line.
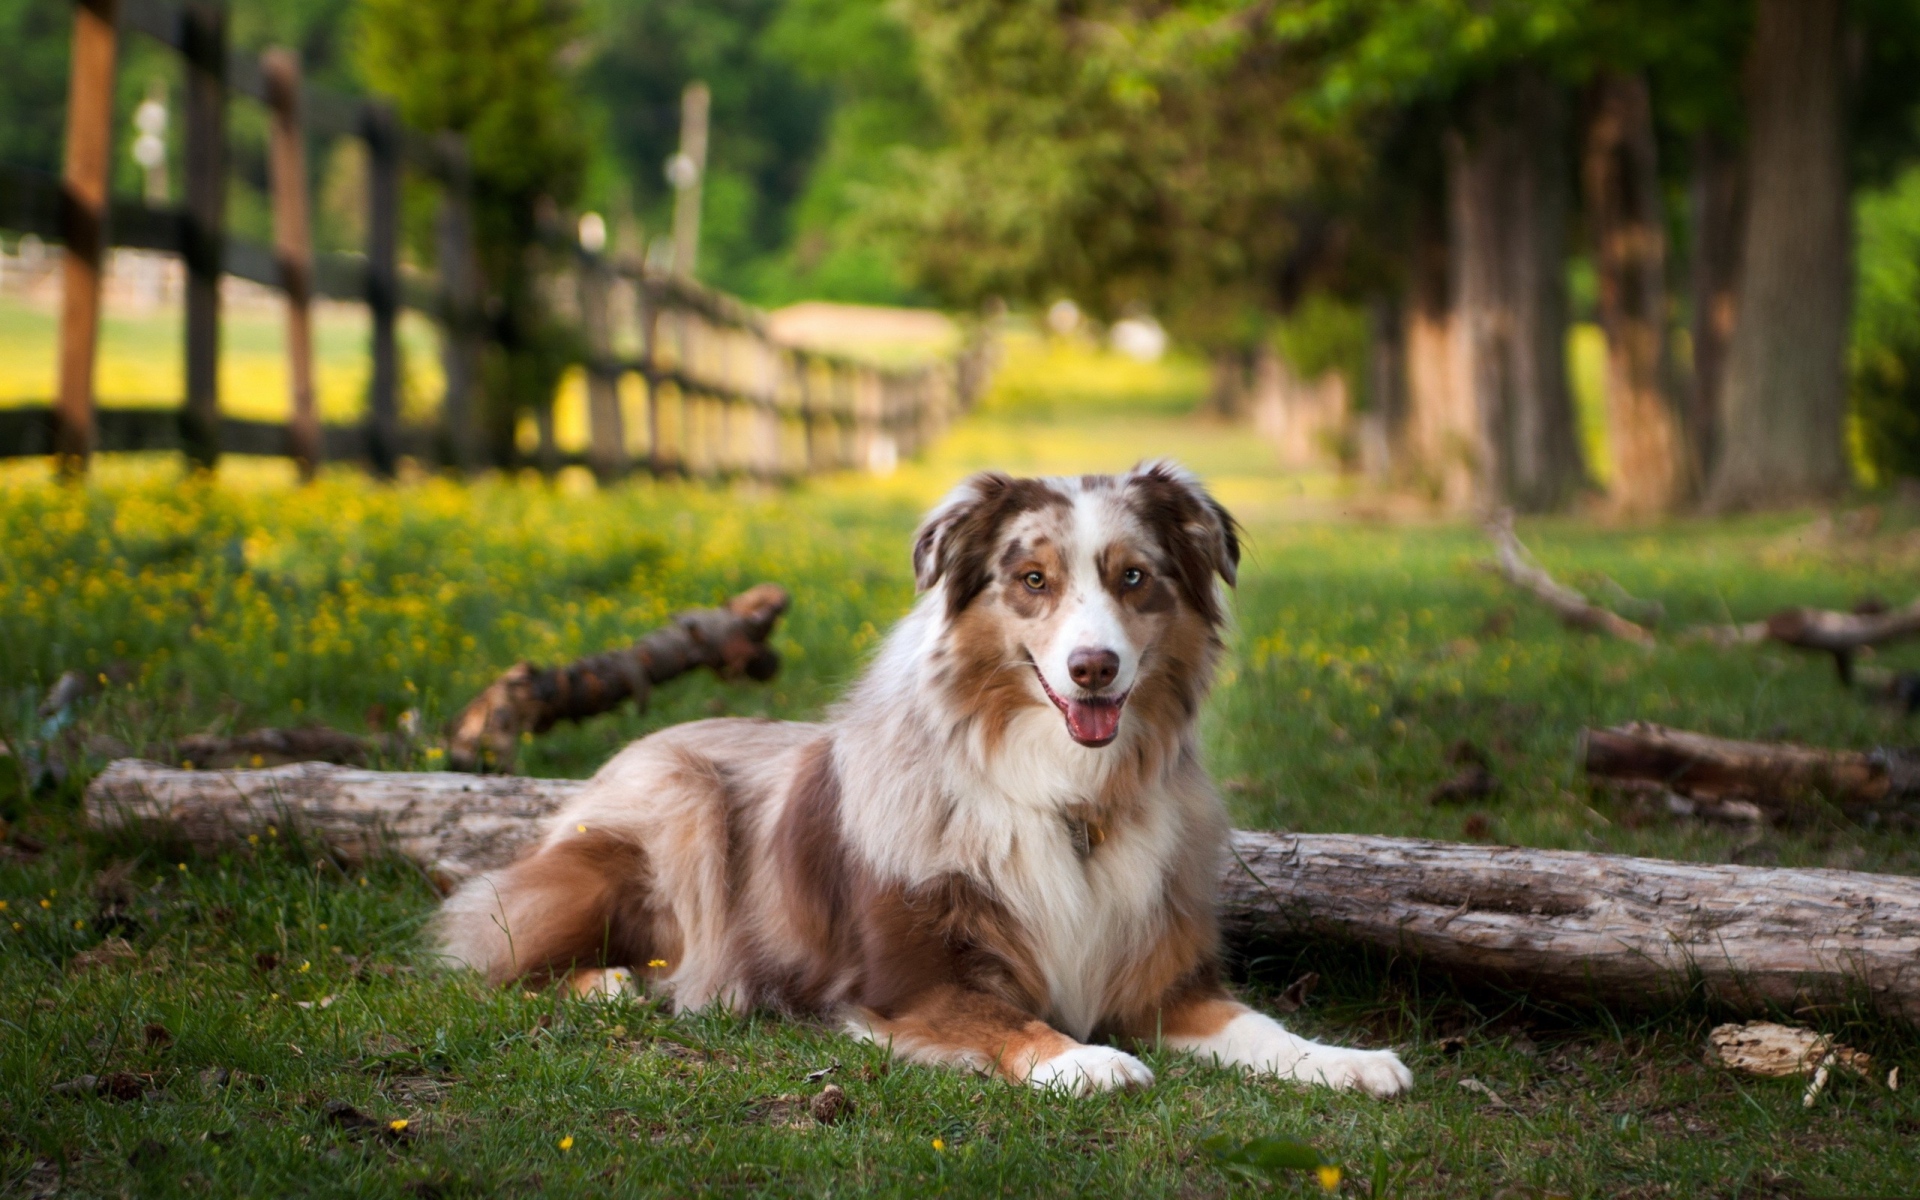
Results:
<point x="606" y="431"/>
<point x="293" y="246"/>
<point x="83" y="222"/>
<point x="203" y="236"/>
<point x="461" y="312"/>
<point x="382" y="135"/>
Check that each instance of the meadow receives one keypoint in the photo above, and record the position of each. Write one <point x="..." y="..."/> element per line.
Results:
<point x="269" y="987"/>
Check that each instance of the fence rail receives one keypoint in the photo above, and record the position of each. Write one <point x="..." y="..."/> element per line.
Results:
<point x="721" y="396"/>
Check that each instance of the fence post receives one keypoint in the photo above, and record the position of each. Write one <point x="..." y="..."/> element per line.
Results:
<point x="461" y="307"/>
<point x="687" y="171"/>
<point x="293" y="248"/>
<point x="203" y="235"/>
<point x="648" y="299"/>
<point x="382" y="135"/>
<point x="608" y="447"/>
<point x="803" y="372"/>
<point x="83" y="202"/>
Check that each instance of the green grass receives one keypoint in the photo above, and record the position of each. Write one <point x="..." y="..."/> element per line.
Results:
<point x="1362" y="651"/>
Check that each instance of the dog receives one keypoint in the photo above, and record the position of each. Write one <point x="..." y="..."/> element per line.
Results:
<point x="999" y="852"/>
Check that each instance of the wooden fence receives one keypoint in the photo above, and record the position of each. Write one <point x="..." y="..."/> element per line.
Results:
<point x="721" y="396"/>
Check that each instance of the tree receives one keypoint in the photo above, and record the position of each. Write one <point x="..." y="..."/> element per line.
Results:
<point x="1507" y="197"/>
<point x="1123" y="155"/>
<point x="1620" y="175"/>
<point x="491" y="70"/>
<point x="1784" y="394"/>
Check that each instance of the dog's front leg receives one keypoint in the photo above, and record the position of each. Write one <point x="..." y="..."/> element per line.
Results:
<point x="959" y="1026"/>
<point x="1215" y="1026"/>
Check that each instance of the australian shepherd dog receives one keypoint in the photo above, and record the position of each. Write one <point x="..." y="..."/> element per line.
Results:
<point x="1000" y="852"/>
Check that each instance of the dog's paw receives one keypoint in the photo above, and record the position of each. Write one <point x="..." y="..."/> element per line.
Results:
<point x="1378" y="1073"/>
<point x="1084" y="1070"/>
<point x="602" y="983"/>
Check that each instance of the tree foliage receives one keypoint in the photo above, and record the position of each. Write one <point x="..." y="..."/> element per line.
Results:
<point x="492" y="70"/>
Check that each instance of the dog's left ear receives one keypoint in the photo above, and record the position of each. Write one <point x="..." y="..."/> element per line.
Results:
<point x="1196" y="530"/>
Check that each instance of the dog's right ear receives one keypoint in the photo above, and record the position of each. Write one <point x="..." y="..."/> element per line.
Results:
<point x="951" y="523"/>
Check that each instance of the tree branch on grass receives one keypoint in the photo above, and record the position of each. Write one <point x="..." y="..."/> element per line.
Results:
<point x="1573" y="925"/>
<point x="1518" y="567"/>
<point x="732" y="641"/>
<point x="1779" y="780"/>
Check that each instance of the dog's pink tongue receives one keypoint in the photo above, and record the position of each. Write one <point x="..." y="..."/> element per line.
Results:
<point x="1093" y="722"/>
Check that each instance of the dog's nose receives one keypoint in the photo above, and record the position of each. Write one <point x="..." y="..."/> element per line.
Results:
<point x="1093" y="668"/>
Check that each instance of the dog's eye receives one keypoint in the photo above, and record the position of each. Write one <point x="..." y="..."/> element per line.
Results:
<point x="1133" y="576"/>
<point x="1035" y="580"/>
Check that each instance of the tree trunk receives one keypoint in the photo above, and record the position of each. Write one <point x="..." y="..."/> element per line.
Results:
<point x="1439" y="435"/>
<point x="1621" y="177"/>
<point x="1717" y="204"/>
<point x="1626" y="931"/>
<point x="1785" y="390"/>
<point x="1507" y="188"/>
<point x="1228" y="383"/>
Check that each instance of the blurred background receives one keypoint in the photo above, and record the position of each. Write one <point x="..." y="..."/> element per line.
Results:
<point x="1636" y="257"/>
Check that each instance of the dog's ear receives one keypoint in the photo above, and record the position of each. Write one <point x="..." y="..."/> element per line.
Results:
<point x="947" y="529"/>
<point x="1198" y="533"/>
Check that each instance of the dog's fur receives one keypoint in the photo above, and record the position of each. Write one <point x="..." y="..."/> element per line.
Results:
<point x="995" y="853"/>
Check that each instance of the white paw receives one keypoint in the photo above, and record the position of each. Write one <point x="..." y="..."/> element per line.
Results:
<point x="1084" y="1070"/>
<point x="1378" y="1073"/>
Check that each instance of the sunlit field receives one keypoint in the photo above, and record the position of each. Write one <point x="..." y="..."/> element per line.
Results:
<point x="1362" y="651"/>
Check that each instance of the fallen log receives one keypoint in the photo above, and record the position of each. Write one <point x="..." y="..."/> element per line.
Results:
<point x="1579" y="926"/>
<point x="450" y="823"/>
<point x="277" y="747"/>
<point x="731" y="641"/>
<point x="1558" y="923"/>
<point x="1781" y="779"/>
<point x="1517" y="566"/>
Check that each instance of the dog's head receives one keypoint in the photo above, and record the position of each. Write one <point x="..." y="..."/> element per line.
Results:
<point x="1085" y="593"/>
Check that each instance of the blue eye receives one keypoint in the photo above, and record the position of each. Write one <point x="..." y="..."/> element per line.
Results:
<point x="1132" y="576"/>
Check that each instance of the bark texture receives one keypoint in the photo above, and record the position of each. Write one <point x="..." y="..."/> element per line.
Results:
<point x="1508" y="197"/>
<point x="451" y="824"/>
<point x="1785" y="388"/>
<point x="1438" y="435"/>
<point x="732" y="641"/>
<point x="1589" y="926"/>
<point x="1778" y="778"/>
<point x="1717" y="205"/>
<point x="1620" y="174"/>
<point x="1580" y="926"/>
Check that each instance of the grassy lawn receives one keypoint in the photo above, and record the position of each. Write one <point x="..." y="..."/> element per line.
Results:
<point x="271" y="984"/>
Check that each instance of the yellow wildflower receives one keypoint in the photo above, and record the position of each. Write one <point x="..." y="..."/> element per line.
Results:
<point x="1329" y="1176"/>
<point x="566" y="1143"/>
<point x="397" y="1124"/>
<point x="938" y="1144"/>
<point x="656" y="963"/>
<point x="45" y="903"/>
<point x="305" y="967"/>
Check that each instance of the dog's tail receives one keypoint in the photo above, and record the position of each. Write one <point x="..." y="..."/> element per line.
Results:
<point x="581" y="902"/>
